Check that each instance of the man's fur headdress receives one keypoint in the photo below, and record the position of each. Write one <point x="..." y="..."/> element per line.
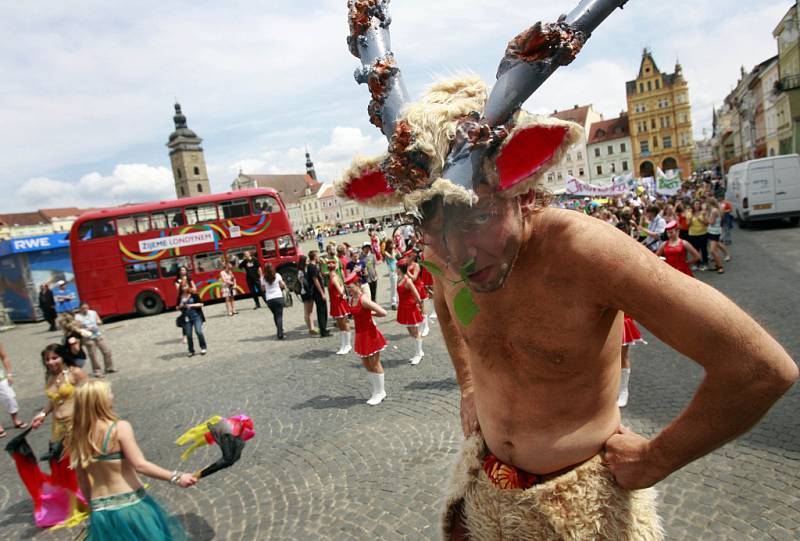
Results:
<point x="456" y="137"/>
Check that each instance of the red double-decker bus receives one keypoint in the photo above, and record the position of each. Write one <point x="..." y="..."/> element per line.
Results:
<point x="126" y="258"/>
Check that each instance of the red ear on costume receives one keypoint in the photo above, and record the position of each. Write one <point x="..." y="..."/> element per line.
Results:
<point x="526" y="152"/>
<point x="368" y="185"/>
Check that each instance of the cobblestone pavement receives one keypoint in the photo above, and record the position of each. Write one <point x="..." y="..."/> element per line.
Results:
<point x="326" y="466"/>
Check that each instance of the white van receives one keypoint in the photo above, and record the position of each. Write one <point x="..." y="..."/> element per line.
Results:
<point x="765" y="189"/>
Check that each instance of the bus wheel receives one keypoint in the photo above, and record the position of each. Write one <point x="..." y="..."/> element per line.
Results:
<point x="149" y="303"/>
<point x="289" y="275"/>
<point x="794" y="220"/>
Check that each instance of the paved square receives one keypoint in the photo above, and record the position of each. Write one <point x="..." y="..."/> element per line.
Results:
<point x="326" y="466"/>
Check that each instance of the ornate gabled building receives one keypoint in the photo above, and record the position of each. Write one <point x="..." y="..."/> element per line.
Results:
<point x="188" y="162"/>
<point x="660" y="119"/>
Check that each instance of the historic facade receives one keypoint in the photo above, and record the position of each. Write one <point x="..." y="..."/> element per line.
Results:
<point x="575" y="162"/>
<point x="188" y="163"/>
<point x="609" y="149"/>
<point x="660" y="119"/>
<point x="787" y="34"/>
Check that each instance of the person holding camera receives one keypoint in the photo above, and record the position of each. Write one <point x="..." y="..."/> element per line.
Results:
<point x="191" y="307"/>
<point x="654" y="230"/>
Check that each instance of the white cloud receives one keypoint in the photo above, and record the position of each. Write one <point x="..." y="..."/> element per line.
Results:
<point x="129" y="183"/>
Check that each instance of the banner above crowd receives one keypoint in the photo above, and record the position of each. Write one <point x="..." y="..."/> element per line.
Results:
<point x="619" y="187"/>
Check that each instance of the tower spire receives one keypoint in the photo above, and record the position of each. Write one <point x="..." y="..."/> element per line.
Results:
<point x="310" y="166"/>
<point x="186" y="154"/>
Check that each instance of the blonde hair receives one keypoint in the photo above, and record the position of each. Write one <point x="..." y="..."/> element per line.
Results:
<point x="92" y="404"/>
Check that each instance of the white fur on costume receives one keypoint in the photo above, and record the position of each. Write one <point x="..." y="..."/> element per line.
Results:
<point x="582" y="504"/>
<point x="433" y="121"/>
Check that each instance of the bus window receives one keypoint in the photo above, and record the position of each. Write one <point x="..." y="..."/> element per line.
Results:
<point x="269" y="249"/>
<point x="170" y="266"/>
<point x="233" y="209"/>
<point x="142" y="223"/>
<point x="286" y="245"/>
<point x="96" y="229"/>
<point x="202" y="213"/>
<point x="141" y="272"/>
<point x="167" y="218"/>
<point x="126" y="225"/>
<point x="209" y="261"/>
<point x="235" y="255"/>
<point x="265" y="205"/>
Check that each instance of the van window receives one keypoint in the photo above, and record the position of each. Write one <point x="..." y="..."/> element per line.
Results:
<point x="233" y="209"/>
<point x="96" y="229"/>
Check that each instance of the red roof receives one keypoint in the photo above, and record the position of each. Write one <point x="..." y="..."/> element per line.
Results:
<point x="290" y="187"/>
<point x="24" y="218"/>
<point x="606" y="130"/>
<point x="63" y="212"/>
<point x="576" y="114"/>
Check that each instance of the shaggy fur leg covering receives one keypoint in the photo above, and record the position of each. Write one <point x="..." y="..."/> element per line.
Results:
<point x="583" y="504"/>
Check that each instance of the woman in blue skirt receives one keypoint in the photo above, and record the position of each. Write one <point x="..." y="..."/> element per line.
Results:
<point x="107" y="459"/>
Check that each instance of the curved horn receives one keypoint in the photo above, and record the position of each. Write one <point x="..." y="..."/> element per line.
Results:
<point x="531" y="57"/>
<point x="370" y="42"/>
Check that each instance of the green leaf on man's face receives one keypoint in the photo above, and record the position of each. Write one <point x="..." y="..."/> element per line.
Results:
<point x="467" y="268"/>
<point x="465" y="307"/>
<point x="432" y="267"/>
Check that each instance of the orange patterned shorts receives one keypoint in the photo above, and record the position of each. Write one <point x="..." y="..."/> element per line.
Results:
<point x="506" y="476"/>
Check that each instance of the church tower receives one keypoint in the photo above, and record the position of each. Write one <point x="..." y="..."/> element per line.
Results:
<point x="188" y="162"/>
<point x="310" y="166"/>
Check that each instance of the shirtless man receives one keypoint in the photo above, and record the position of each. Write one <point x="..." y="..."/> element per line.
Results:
<point x="542" y="392"/>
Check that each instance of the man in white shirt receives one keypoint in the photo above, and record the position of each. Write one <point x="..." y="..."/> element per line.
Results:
<point x="90" y="326"/>
<point x="656" y="225"/>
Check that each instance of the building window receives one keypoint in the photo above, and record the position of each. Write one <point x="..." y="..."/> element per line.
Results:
<point x="183" y="192"/>
<point x="178" y="170"/>
<point x="196" y="170"/>
<point x="569" y="172"/>
<point x="597" y="153"/>
<point x="610" y="149"/>
<point x="580" y="172"/>
<point x="623" y="147"/>
<point x="613" y="167"/>
<point x="644" y="146"/>
<point x="579" y="155"/>
<point x="569" y="157"/>
<point x="655" y="141"/>
<point x="560" y="176"/>
<point x="649" y="86"/>
<point x="550" y="177"/>
<point x="658" y="84"/>
<point x="653" y="123"/>
<point x="641" y="88"/>
<point x="624" y="165"/>
<point x="599" y="169"/>
<point x="667" y="141"/>
<point x="199" y="187"/>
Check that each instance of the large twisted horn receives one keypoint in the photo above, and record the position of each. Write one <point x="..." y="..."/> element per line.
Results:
<point x="370" y="42"/>
<point x="531" y="57"/>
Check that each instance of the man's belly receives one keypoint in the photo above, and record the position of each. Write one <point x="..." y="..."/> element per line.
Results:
<point x="541" y="437"/>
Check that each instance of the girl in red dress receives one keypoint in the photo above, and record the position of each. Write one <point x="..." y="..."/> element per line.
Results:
<point x="675" y="249"/>
<point x="630" y="336"/>
<point x="369" y="341"/>
<point x="417" y="273"/>
<point x="409" y="309"/>
<point x="339" y="309"/>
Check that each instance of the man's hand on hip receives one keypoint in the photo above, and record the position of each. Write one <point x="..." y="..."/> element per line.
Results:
<point x="630" y="458"/>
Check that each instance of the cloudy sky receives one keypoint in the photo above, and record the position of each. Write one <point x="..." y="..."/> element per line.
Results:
<point x="87" y="87"/>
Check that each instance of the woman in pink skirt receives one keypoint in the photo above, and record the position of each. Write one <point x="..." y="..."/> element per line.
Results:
<point x="339" y="309"/>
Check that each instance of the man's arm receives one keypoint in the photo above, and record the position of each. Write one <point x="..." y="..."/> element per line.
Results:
<point x="746" y="369"/>
<point x="459" y="356"/>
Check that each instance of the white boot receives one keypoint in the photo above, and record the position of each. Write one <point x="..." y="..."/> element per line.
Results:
<point x="348" y="341"/>
<point x="425" y="328"/>
<point x="625" y="377"/>
<point x="342" y="343"/>
<point x="379" y="392"/>
<point x="419" y="353"/>
<point x="433" y="313"/>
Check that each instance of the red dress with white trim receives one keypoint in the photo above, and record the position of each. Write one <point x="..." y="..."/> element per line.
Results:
<point x="369" y="339"/>
<point x="630" y="333"/>
<point x="408" y="312"/>
<point x="339" y="307"/>
<point x="419" y="283"/>
<point x="676" y="257"/>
